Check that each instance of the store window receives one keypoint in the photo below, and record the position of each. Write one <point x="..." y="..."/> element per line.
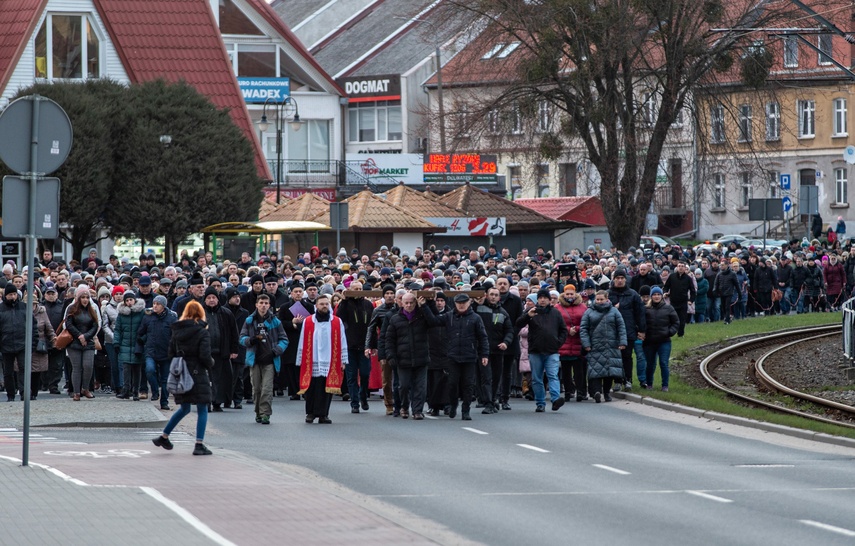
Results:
<point x="378" y="121"/>
<point x="67" y="47"/>
<point x="312" y="144"/>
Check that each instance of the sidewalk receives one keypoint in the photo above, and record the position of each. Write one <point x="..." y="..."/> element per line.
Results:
<point x="135" y="493"/>
<point x="105" y="410"/>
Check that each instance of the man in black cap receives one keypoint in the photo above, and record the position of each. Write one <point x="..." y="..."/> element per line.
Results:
<point x="631" y="308"/>
<point x="196" y="292"/>
<point x="242" y="385"/>
<point x="224" y="348"/>
<point x="546" y="334"/>
<point x="278" y="298"/>
<point x="680" y="287"/>
<point x="247" y="300"/>
<point x="13" y="325"/>
<point x="144" y="291"/>
<point x="467" y="346"/>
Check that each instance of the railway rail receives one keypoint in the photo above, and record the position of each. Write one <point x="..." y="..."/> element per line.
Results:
<point x="730" y="379"/>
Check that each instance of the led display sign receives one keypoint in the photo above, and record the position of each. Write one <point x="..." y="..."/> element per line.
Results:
<point x="459" y="168"/>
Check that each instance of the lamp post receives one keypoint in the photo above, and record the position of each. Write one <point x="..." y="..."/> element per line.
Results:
<point x="282" y="110"/>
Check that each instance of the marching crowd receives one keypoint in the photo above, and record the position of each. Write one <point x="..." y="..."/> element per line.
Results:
<point x="447" y="327"/>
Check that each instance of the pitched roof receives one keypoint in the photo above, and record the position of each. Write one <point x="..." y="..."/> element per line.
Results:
<point x="303" y="208"/>
<point x="476" y="202"/>
<point x="267" y="205"/>
<point x="584" y="210"/>
<point x="368" y="212"/>
<point x="18" y="20"/>
<point x="418" y="203"/>
<point x="178" y="40"/>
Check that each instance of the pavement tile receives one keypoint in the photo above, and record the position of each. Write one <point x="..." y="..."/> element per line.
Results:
<point x="105" y="410"/>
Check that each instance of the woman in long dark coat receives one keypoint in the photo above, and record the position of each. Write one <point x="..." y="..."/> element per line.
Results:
<point x="191" y="339"/>
<point x="224" y="348"/>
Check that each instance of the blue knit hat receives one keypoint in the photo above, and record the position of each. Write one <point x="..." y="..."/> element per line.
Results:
<point x="656" y="290"/>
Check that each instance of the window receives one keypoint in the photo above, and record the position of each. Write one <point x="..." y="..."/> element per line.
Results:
<point x="773" y="121"/>
<point x="745" y="123"/>
<point x="774" y="184"/>
<point x="840" y="124"/>
<point x="678" y="118"/>
<point x="791" y="51"/>
<point x="541" y="175"/>
<point x="806" y="111"/>
<point x="744" y="188"/>
<point x="311" y="143"/>
<point x="515" y="176"/>
<point x="824" y="44"/>
<point x="717" y="124"/>
<point x="648" y="109"/>
<point x="378" y="121"/>
<point x="841" y="186"/>
<point x="67" y="47"/>
<point x="544" y="116"/>
<point x="516" y="119"/>
<point x="508" y="50"/>
<point x="256" y="61"/>
<point x="718" y="191"/>
<point x="492" y="53"/>
<point x="462" y="123"/>
<point x="493" y="119"/>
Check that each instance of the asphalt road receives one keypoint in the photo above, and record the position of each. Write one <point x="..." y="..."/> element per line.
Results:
<point x="616" y="473"/>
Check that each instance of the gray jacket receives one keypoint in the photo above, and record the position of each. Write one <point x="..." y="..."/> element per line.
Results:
<point x="603" y="330"/>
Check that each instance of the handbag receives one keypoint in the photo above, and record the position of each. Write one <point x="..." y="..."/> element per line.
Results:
<point x="777" y="295"/>
<point x="98" y="346"/>
<point x="64" y="338"/>
<point x="42" y="347"/>
<point x="180" y="380"/>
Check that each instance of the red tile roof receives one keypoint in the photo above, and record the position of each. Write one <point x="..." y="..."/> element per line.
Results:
<point x="584" y="210"/>
<point x="18" y="20"/>
<point x="475" y="202"/>
<point x="178" y="40"/>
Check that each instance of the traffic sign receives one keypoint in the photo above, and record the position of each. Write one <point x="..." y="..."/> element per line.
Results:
<point x="16" y="131"/>
<point x="785" y="182"/>
<point x="788" y="204"/>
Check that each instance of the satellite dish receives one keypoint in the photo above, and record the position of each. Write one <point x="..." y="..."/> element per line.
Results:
<point x="849" y="154"/>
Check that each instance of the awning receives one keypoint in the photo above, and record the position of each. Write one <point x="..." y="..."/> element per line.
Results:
<point x="265" y="227"/>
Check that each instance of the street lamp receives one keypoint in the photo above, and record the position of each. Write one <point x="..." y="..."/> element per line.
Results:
<point x="283" y="109"/>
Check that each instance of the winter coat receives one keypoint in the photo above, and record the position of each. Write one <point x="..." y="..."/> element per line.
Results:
<point x="155" y="333"/>
<point x="546" y="330"/>
<point x="408" y="341"/>
<point x="514" y="306"/>
<point x="355" y="314"/>
<point x="764" y="280"/>
<point x="125" y="334"/>
<point x="291" y="330"/>
<point x="813" y="282"/>
<point x="498" y="325"/>
<point x="384" y="324"/>
<point x="438" y="354"/>
<point x="525" y="365"/>
<point x="43" y="332"/>
<point x="726" y="284"/>
<point x="192" y="340"/>
<point x="276" y="337"/>
<point x="701" y="297"/>
<point x="662" y="323"/>
<point x="224" y="340"/>
<point x="109" y="314"/>
<point x="631" y="309"/>
<point x="680" y="288"/>
<point x="83" y="323"/>
<point x="835" y="278"/>
<point x="241" y="315"/>
<point x="13" y="326"/>
<point x="571" y="312"/>
<point x="603" y="331"/>
<point x="467" y="339"/>
<point x="798" y="277"/>
<point x="55" y="312"/>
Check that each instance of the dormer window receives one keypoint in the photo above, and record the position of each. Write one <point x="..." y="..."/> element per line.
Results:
<point x="67" y="47"/>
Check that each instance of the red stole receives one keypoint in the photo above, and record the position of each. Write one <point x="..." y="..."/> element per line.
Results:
<point x="334" y="377"/>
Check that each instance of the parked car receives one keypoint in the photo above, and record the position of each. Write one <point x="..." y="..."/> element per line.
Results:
<point x="648" y="241"/>
<point x="722" y="242"/>
<point x="771" y="244"/>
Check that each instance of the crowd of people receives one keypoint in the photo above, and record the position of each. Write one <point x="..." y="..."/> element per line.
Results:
<point x="447" y="327"/>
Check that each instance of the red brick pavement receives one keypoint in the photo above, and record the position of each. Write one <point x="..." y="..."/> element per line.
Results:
<point x="244" y="500"/>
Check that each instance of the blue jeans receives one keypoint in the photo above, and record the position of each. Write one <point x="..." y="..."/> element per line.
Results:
<point x="550" y="364"/>
<point x="785" y="301"/>
<point x="699" y="318"/>
<point x="714" y="309"/>
<point x="663" y="351"/>
<point x="183" y="410"/>
<point x="358" y="370"/>
<point x="157" y="372"/>
<point x="640" y="361"/>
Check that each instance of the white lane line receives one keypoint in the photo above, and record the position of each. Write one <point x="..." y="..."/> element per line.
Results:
<point x="195" y="522"/>
<point x="430" y="417"/>
<point x="613" y="469"/>
<point x="764" y="466"/>
<point x="475" y="430"/>
<point x="534" y="448"/>
<point x="708" y="496"/>
<point x="827" y="527"/>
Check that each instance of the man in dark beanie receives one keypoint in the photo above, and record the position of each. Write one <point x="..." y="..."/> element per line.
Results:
<point x="13" y="325"/>
<point x="247" y="300"/>
<point x="546" y="335"/>
<point x="278" y="297"/>
<point x="224" y="348"/>
<point x="195" y="292"/>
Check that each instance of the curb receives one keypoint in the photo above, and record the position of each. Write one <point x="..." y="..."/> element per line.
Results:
<point x="735" y="420"/>
<point x="157" y="419"/>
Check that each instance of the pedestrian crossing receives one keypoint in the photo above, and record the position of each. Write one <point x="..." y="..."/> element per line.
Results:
<point x="176" y="437"/>
<point x="15" y="436"/>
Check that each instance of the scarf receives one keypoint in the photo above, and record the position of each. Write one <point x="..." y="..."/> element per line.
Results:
<point x="409" y="314"/>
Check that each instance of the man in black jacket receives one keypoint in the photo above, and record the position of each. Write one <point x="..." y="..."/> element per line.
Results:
<point x="631" y="308"/>
<point x="514" y="306"/>
<point x="500" y="334"/>
<point x="356" y="313"/>
<point x="391" y="397"/>
<point x="467" y="344"/>
<point x="546" y="334"/>
<point x="408" y="350"/>
<point x="13" y="326"/>
<point x="726" y="285"/>
<point x="292" y="322"/>
<point x="681" y="289"/>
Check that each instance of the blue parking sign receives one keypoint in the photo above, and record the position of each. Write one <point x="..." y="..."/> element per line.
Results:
<point x="785" y="182"/>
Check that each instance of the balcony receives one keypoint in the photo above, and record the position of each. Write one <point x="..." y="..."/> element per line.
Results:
<point x="667" y="201"/>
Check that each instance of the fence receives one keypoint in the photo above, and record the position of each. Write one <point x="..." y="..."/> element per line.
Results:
<point x="849" y="328"/>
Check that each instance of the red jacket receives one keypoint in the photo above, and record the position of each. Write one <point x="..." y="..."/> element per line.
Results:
<point x="571" y="312"/>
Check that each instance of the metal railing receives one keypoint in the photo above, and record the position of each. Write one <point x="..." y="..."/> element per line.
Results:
<point x="848" y="308"/>
<point x="665" y="200"/>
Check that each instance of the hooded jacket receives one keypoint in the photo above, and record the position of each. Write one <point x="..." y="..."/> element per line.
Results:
<point x="125" y="334"/>
<point x="192" y="341"/>
<point x="546" y="330"/>
<point x="603" y="331"/>
<point x="662" y="323"/>
<point x="572" y="312"/>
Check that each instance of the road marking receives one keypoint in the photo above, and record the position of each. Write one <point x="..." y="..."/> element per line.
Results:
<point x="195" y="522"/>
<point x="475" y="430"/>
<point x="708" y="496"/>
<point x="764" y="465"/>
<point x="430" y="417"/>
<point x="827" y="527"/>
<point x="613" y="469"/>
<point x="533" y="448"/>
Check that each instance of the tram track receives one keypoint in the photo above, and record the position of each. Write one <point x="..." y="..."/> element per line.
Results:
<point x="740" y="370"/>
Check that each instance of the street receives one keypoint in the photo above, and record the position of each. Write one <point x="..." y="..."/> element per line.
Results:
<point x="620" y="472"/>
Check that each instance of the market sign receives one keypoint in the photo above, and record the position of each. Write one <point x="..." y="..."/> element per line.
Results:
<point x="384" y="168"/>
<point x="459" y="168"/>
<point x="258" y="90"/>
<point x="473" y="227"/>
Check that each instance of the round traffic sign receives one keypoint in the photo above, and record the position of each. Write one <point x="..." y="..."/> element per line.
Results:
<point x="849" y="154"/>
<point x="788" y="203"/>
<point x="16" y="134"/>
